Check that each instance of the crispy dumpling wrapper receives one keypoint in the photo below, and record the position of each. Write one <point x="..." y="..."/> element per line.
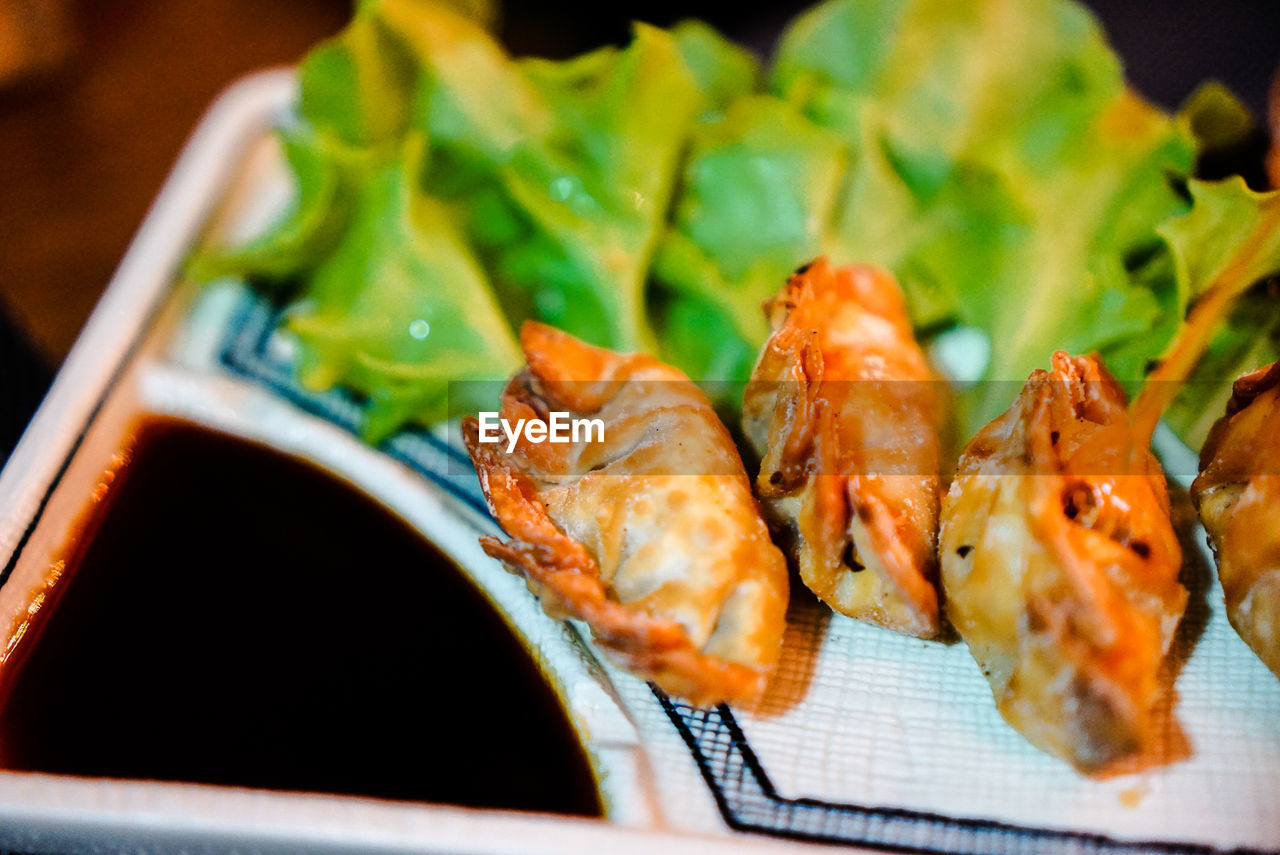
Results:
<point x="652" y="536"/>
<point x="843" y="410"/>
<point x="1060" y="565"/>
<point x="1238" y="495"/>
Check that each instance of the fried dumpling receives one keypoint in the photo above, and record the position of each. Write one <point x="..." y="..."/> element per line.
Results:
<point x="843" y="410"/>
<point x="651" y="536"/>
<point x="1060" y="565"/>
<point x="1238" y="495"/>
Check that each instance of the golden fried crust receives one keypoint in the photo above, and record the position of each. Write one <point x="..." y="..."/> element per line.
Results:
<point x="1238" y="495"/>
<point x="841" y="408"/>
<point x="652" y="536"/>
<point x="1060" y="565"/>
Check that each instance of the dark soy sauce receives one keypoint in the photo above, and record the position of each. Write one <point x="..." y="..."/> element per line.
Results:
<point x="229" y="615"/>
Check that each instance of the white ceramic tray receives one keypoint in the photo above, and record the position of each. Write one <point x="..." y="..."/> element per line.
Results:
<point x="866" y="739"/>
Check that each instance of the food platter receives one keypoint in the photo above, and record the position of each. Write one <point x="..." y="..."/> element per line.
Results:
<point x="864" y="737"/>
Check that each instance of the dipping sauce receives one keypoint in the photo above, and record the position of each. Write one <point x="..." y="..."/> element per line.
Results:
<point x="230" y="615"/>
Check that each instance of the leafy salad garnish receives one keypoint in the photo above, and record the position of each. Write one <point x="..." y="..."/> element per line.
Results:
<point x="650" y="197"/>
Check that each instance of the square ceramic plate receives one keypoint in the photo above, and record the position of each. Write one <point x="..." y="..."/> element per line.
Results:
<point x="866" y="738"/>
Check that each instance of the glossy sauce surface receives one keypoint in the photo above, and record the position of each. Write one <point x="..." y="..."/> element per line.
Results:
<point x="229" y="615"/>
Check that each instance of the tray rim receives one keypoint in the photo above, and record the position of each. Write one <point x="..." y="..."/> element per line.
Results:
<point x="71" y="810"/>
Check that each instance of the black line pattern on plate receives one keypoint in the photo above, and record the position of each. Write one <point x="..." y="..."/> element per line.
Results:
<point x="742" y="789"/>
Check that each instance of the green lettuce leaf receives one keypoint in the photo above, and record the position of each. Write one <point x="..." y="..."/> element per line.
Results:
<point x="1249" y="339"/>
<point x="1230" y="238"/>
<point x="353" y="108"/>
<point x="577" y="159"/>
<point x="1230" y="232"/>
<point x="356" y="85"/>
<point x="1000" y="169"/>
<point x="435" y="175"/>
<point x="400" y="308"/>
<point x="759" y="185"/>
<point x="326" y="176"/>
<point x="650" y="197"/>
<point x="724" y="72"/>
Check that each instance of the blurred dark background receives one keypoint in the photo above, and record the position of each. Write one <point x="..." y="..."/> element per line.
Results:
<point x="98" y="96"/>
